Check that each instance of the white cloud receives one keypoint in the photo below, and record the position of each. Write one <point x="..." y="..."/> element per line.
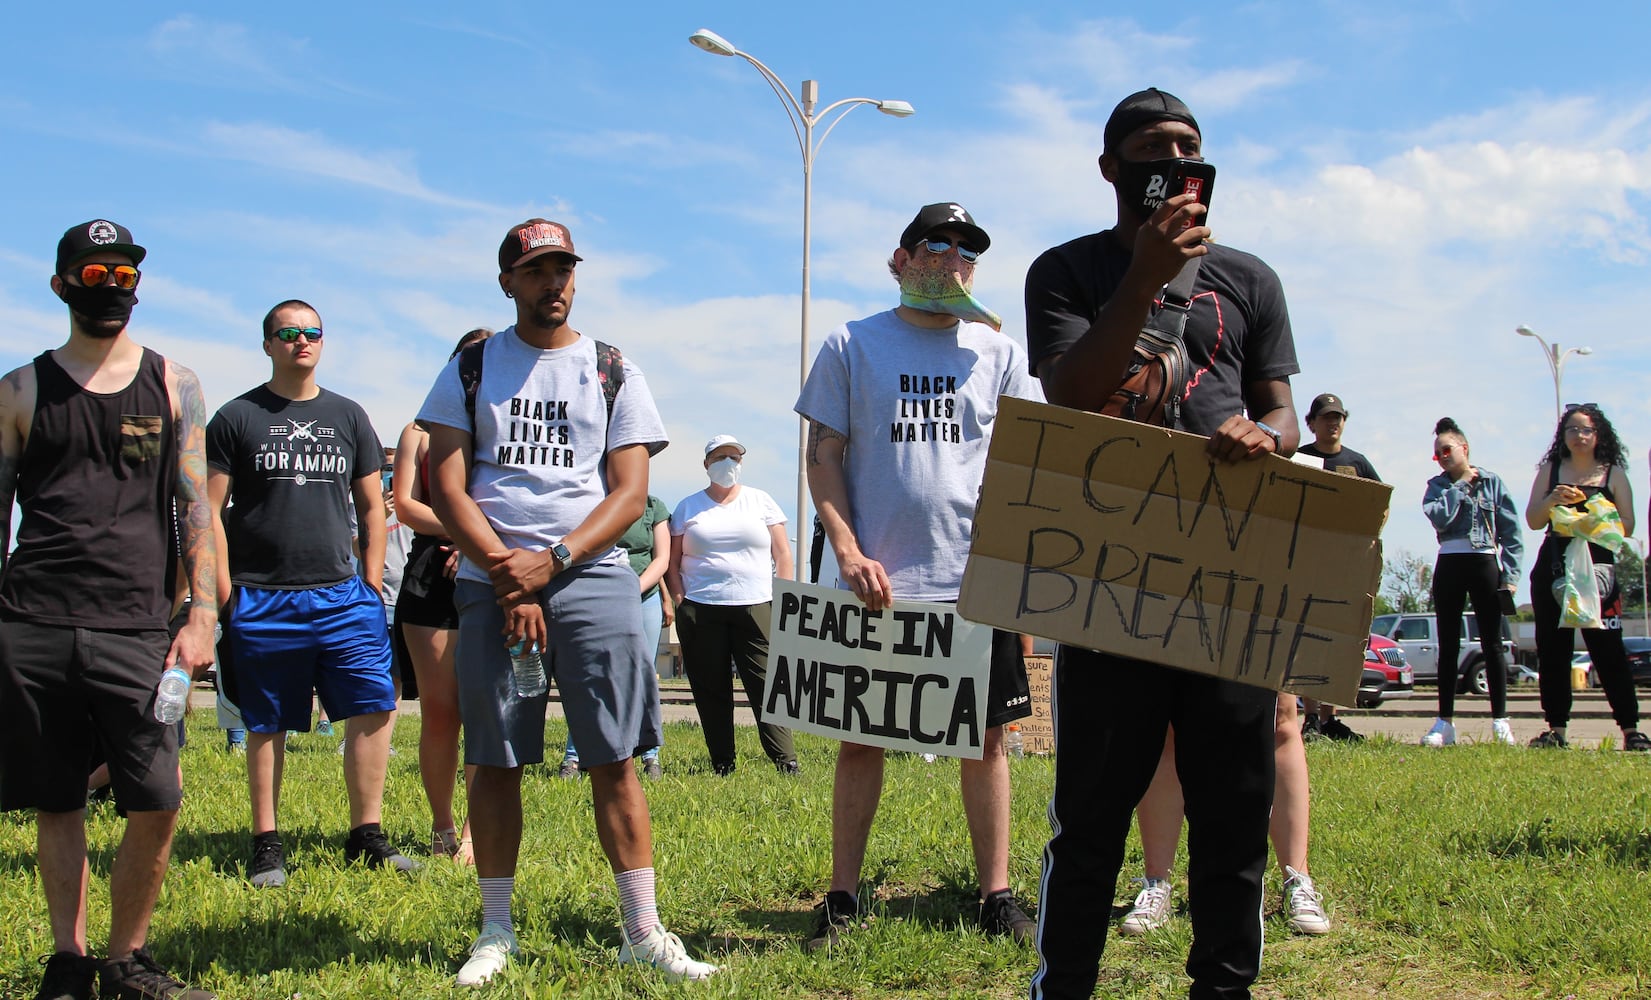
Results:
<point x="226" y="54"/>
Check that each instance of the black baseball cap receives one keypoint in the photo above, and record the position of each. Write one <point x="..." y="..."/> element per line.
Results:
<point x="532" y="239"/>
<point x="945" y="215"/>
<point x="1326" y="402"/>
<point x="1145" y="107"/>
<point x="95" y="236"/>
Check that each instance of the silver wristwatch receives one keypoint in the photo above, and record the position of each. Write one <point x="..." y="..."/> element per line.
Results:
<point x="1277" y="438"/>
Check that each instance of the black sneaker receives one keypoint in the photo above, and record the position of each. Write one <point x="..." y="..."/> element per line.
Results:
<point x="139" y="977"/>
<point x="1550" y="740"/>
<point x="1636" y="740"/>
<point x="838" y="912"/>
<point x="788" y="767"/>
<point x="269" y="862"/>
<point x="722" y="770"/>
<point x="1310" y="728"/>
<point x="67" y="977"/>
<point x="367" y="843"/>
<point x="1338" y="730"/>
<point x="1001" y="916"/>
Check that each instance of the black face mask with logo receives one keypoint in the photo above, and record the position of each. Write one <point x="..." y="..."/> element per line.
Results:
<point x="104" y="306"/>
<point x="1145" y="184"/>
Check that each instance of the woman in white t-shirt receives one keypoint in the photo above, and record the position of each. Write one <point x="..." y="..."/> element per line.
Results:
<point x="727" y="543"/>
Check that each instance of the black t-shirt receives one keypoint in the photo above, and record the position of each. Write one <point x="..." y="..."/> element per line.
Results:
<point x="293" y="462"/>
<point x="1347" y="461"/>
<point x="1238" y="330"/>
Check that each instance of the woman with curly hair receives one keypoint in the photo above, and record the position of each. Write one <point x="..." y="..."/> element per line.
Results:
<point x="1586" y="458"/>
<point x="1479" y="546"/>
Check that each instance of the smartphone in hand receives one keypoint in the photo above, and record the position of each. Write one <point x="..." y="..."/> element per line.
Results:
<point x="1197" y="178"/>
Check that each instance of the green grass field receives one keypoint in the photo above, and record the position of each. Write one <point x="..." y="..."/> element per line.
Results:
<point x="1484" y="871"/>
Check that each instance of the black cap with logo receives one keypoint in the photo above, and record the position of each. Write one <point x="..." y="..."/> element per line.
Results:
<point x="945" y="215"/>
<point x="93" y="237"/>
<point x="1326" y="402"/>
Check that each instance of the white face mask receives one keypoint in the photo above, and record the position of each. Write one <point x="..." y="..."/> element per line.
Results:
<point x="725" y="472"/>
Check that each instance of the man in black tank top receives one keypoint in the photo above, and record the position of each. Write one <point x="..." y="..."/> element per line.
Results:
<point x="97" y="440"/>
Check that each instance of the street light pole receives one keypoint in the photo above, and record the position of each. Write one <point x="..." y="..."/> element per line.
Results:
<point x="803" y="120"/>
<point x="1556" y="362"/>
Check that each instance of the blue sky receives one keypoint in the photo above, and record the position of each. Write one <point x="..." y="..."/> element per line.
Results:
<point x="1423" y="176"/>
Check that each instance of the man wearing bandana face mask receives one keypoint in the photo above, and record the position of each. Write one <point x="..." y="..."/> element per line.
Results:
<point x="1086" y="303"/>
<point x="98" y="440"/>
<point x="900" y="408"/>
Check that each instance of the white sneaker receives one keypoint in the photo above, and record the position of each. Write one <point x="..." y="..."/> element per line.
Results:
<point x="489" y="955"/>
<point x="1443" y="734"/>
<point x="1151" y="910"/>
<point x="663" y="950"/>
<point x="1502" y="730"/>
<point x="1304" y="904"/>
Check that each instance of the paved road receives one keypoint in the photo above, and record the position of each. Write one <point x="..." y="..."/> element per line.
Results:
<point x="1404" y="720"/>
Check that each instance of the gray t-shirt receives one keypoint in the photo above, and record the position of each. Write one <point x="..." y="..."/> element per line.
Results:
<point x="917" y="406"/>
<point x="542" y="434"/>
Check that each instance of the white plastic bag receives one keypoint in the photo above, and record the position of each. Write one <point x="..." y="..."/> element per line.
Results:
<point x="1578" y="589"/>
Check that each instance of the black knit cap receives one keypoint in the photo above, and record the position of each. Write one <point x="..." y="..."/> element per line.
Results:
<point x="1145" y="107"/>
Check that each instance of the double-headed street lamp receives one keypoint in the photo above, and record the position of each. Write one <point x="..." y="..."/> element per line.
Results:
<point x="1556" y="362"/>
<point x="803" y="120"/>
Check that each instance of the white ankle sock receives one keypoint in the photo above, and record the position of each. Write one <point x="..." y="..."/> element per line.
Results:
<point x="496" y="900"/>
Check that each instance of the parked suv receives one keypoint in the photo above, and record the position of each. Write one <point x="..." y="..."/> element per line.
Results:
<point x="1419" y="635"/>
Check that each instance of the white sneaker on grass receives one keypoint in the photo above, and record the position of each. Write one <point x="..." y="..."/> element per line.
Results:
<point x="664" y="951"/>
<point x="1304" y="904"/>
<point x="489" y="955"/>
<point x="1502" y="730"/>
<point x="1151" y="910"/>
<point x="1443" y="734"/>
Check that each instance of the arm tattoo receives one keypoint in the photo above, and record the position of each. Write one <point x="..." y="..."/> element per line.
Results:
<point x="818" y="434"/>
<point x="200" y="553"/>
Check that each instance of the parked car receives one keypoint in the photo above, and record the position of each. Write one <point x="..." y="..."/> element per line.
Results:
<point x="1639" y="661"/>
<point x="1419" y="635"/>
<point x="1386" y="674"/>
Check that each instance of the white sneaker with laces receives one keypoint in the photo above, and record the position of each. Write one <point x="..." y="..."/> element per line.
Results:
<point x="1304" y="904"/>
<point x="664" y="951"/>
<point x="1151" y="910"/>
<point x="1443" y="734"/>
<point x="489" y="955"/>
<point x="1502" y="730"/>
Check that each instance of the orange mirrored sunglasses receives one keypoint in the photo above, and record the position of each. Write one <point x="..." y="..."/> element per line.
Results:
<point x="94" y="275"/>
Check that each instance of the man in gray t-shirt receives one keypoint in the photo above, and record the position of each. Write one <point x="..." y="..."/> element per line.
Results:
<point x="900" y="408"/>
<point x="539" y="448"/>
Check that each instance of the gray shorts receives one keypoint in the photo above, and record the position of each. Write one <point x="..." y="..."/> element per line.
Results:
<point x="596" y="655"/>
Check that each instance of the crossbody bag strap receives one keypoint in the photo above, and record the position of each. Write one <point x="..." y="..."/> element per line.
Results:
<point x="1166" y="326"/>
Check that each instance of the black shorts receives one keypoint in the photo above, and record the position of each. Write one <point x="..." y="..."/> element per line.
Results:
<point x="1008" y="693"/>
<point x="426" y="596"/>
<point x="64" y="692"/>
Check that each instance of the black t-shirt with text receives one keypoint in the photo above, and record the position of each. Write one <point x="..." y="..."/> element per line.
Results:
<point x="1238" y="329"/>
<point x="293" y="462"/>
<point x="1347" y="461"/>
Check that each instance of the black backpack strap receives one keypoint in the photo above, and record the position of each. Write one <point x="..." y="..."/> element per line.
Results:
<point x="470" y="377"/>
<point x="610" y="371"/>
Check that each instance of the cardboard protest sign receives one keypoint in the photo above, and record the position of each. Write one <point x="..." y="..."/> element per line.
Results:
<point x="912" y="677"/>
<point x="1038" y="730"/>
<point x="1125" y="538"/>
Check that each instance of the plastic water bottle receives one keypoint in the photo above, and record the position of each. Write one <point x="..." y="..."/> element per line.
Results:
<point x="1013" y="742"/>
<point x="172" y="696"/>
<point x="529" y="668"/>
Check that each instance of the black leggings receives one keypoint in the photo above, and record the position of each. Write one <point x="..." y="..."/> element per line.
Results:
<point x="1554" y="645"/>
<point x="1458" y="576"/>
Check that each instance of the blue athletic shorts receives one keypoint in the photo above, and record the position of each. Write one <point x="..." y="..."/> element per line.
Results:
<point x="287" y="643"/>
<point x="596" y="656"/>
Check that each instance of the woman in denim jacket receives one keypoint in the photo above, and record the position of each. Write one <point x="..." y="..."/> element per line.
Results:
<point x="1479" y="546"/>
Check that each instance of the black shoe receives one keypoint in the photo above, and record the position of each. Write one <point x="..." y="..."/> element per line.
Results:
<point x="1337" y="730"/>
<point x="139" y="977"/>
<point x="1001" y="916"/>
<point x="1550" y="740"/>
<point x="68" y="977"/>
<point x="838" y="912"/>
<point x="724" y="769"/>
<point x="1636" y="740"/>
<point x="367" y="843"/>
<point x="788" y="767"/>
<point x="269" y="862"/>
<point x="1310" y="728"/>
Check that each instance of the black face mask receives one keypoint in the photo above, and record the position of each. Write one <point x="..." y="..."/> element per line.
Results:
<point x="104" y="309"/>
<point x="1144" y="185"/>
